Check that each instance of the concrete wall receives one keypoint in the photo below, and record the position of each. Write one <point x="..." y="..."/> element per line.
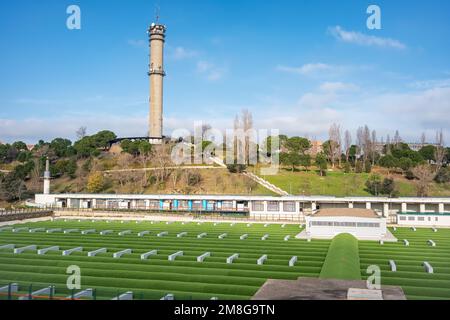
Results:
<point x="424" y="220"/>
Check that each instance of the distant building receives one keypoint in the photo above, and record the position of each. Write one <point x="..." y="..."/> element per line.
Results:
<point x="316" y="148"/>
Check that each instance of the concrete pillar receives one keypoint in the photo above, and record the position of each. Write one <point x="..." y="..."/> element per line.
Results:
<point x="94" y="203"/>
<point x="69" y="203"/>
<point x="441" y="208"/>
<point x="368" y="205"/>
<point x="265" y="206"/>
<point x="386" y="210"/>
<point x="404" y="207"/>
<point x="422" y="208"/>
<point x="313" y="206"/>
<point x="350" y="205"/>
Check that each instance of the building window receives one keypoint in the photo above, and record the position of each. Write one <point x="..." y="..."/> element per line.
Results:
<point x="421" y="219"/>
<point x="258" y="205"/>
<point x="411" y="218"/>
<point x="289" y="206"/>
<point x="436" y="219"/>
<point x="227" y="205"/>
<point x="273" y="206"/>
<point x="402" y="218"/>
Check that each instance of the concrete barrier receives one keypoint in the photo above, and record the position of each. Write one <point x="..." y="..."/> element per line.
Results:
<point x="432" y="243"/>
<point x="20" y="250"/>
<point x="428" y="267"/>
<point x="232" y="224"/>
<point x="203" y="256"/>
<point x="393" y="265"/>
<point x="143" y="233"/>
<point x="7" y="246"/>
<point x="162" y="234"/>
<point x="293" y="261"/>
<point x="144" y="256"/>
<point x="122" y="233"/>
<point x="36" y="230"/>
<point x="50" y="291"/>
<point x="266" y="225"/>
<point x="95" y="252"/>
<point x="124" y="296"/>
<point x="168" y="297"/>
<point x="244" y="236"/>
<point x="88" y="293"/>
<point x="414" y="229"/>
<point x="434" y="230"/>
<point x="182" y="234"/>
<point x="249" y="225"/>
<point x="381" y="242"/>
<point x="70" y="251"/>
<point x="54" y="230"/>
<point x="11" y="288"/>
<point x="105" y="232"/>
<point x="287" y="238"/>
<point x="88" y="231"/>
<point x="406" y="242"/>
<point x="265" y="237"/>
<point x="261" y="260"/>
<point x="44" y="251"/>
<point x="283" y="225"/>
<point x="202" y="235"/>
<point x="230" y="259"/>
<point x="15" y="230"/>
<point x="222" y="236"/>
<point x="70" y="231"/>
<point x="5" y="229"/>
<point x="121" y="253"/>
<point x="173" y="256"/>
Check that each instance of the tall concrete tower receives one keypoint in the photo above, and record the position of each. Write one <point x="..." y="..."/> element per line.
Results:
<point x="157" y="35"/>
<point x="47" y="177"/>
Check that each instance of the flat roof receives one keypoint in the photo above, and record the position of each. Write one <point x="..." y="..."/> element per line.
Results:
<point x="346" y="212"/>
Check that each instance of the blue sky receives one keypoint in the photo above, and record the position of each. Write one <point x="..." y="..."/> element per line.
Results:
<point x="298" y="65"/>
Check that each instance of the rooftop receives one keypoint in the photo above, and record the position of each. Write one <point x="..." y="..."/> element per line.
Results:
<point x="346" y="212"/>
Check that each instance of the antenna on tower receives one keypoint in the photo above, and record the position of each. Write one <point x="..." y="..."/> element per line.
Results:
<point x="157" y="12"/>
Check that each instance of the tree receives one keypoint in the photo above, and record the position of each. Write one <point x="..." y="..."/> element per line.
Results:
<point x="405" y="164"/>
<point x="62" y="147"/>
<point x="290" y="159"/>
<point x="428" y="153"/>
<point x="20" y="146"/>
<point x="443" y="175"/>
<point x="305" y="161"/>
<point x="321" y="163"/>
<point x="347" y="144"/>
<point x="95" y="183"/>
<point x="334" y="143"/>
<point x="389" y="188"/>
<point x="374" y="184"/>
<point x="425" y="175"/>
<point x="81" y="133"/>
<point x="388" y="162"/>
<point x="297" y="145"/>
<point x="440" y="151"/>
<point x="101" y="139"/>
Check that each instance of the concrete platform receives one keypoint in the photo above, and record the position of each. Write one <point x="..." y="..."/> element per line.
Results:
<point x="318" y="289"/>
<point x="389" y="237"/>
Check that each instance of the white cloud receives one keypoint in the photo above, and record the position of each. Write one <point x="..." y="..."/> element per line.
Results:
<point x="365" y="40"/>
<point x="181" y="53"/>
<point x="435" y="83"/>
<point x="307" y="69"/>
<point x="210" y="70"/>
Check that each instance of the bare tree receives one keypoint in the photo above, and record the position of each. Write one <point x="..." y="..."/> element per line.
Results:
<point x="335" y="143"/>
<point x="373" y="146"/>
<point x="423" y="139"/>
<point x="81" y="133"/>
<point x="397" y="138"/>
<point x="425" y="175"/>
<point x="347" y="144"/>
<point x="439" y="153"/>
<point x="205" y="128"/>
<point x="163" y="162"/>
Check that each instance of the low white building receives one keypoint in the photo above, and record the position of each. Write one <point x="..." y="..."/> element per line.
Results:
<point x="363" y="224"/>
<point x="423" y="219"/>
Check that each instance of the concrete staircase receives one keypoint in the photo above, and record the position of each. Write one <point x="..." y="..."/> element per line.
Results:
<point x="266" y="184"/>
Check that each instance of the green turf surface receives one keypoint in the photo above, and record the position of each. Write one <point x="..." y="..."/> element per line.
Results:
<point x="153" y="278"/>
<point x="411" y="275"/>
<point x="342" y="261"/>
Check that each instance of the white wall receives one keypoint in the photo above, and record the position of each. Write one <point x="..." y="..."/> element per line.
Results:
<point x="430" y="220"/>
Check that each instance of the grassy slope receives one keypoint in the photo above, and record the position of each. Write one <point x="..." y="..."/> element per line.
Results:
<point x="342" y="261"/>
<point x="338" y="183"/>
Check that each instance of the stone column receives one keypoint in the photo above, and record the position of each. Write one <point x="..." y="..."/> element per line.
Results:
<point x="386" y="210"/>
<point x="422" y="208"/>
<point x="313" y="206"/>
<point x="369" y="205"/>
<point x="350" y="205"/>
<point x="441" y="208"/>
<point x="404" y="207"/>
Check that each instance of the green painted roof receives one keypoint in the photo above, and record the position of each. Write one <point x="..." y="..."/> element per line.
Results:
<point x="425" y="213"/>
